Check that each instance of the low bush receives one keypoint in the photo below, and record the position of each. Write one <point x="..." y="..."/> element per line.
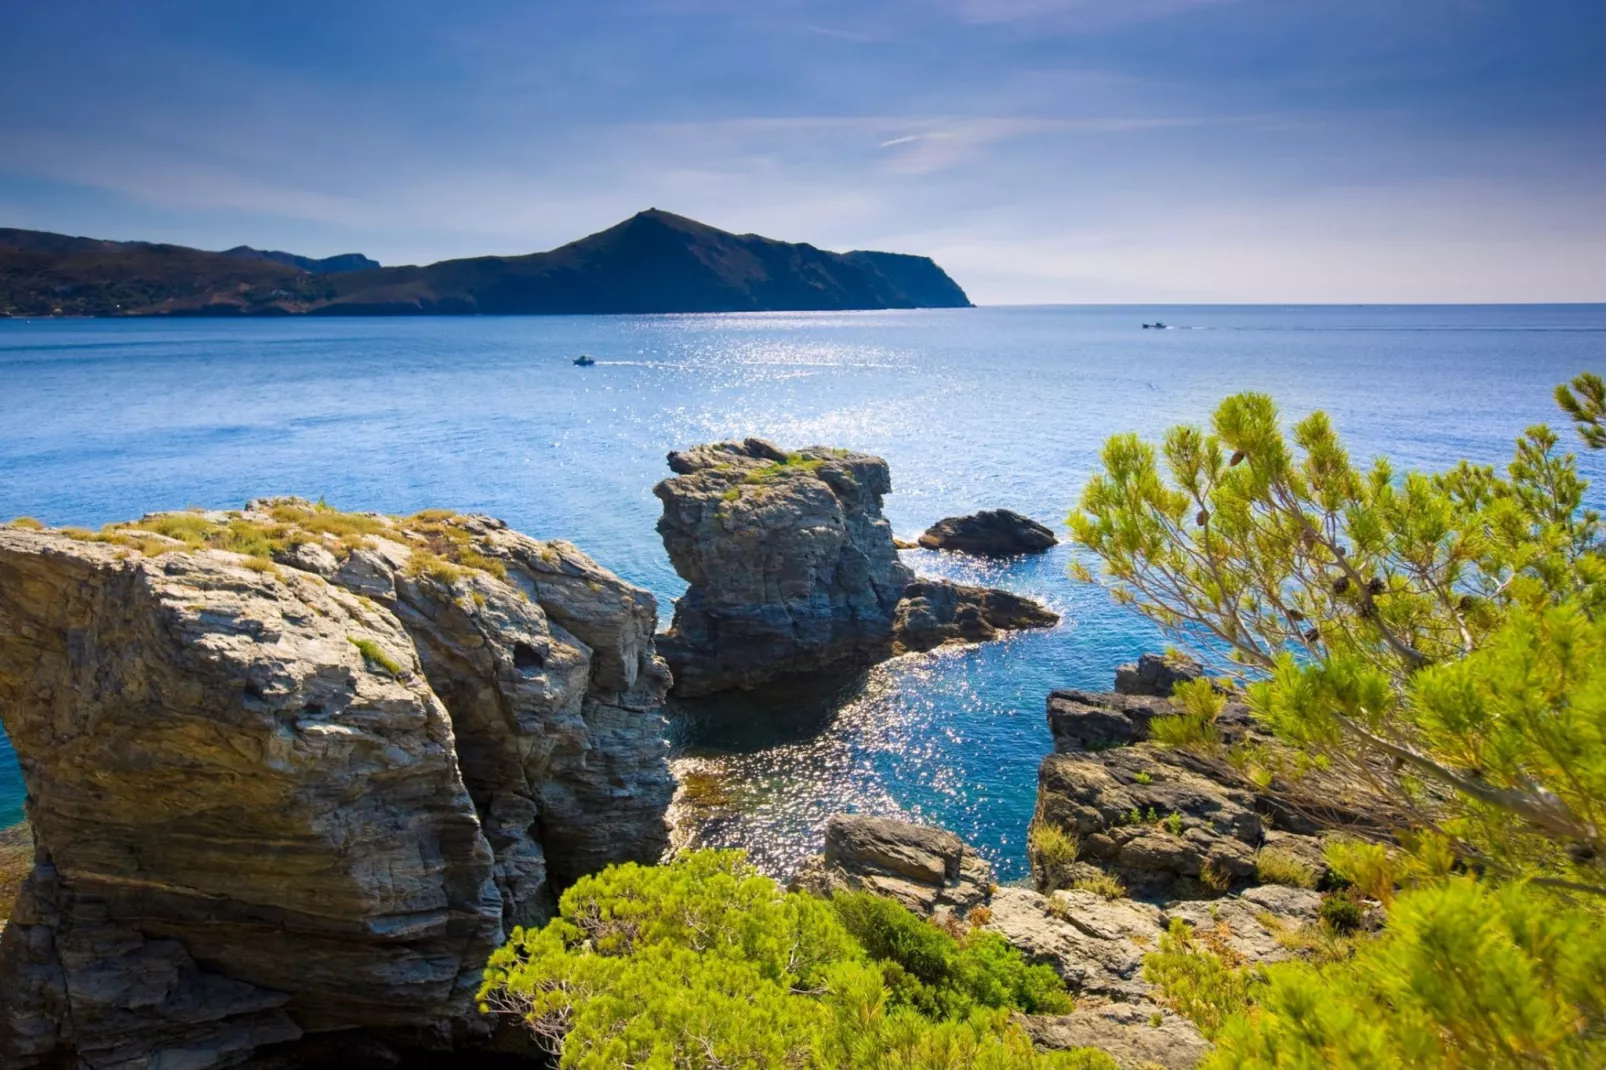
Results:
<point x="705" y="963"/>
<point x="1199" y="978"/>
<point x="1464" y="977"/>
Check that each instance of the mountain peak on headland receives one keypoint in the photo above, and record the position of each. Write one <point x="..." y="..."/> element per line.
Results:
<point x="653" y="262"/>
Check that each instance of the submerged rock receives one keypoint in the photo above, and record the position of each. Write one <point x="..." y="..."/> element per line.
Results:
<point x="280" y="799"/>
<point x="989" y="533"/>
<point x="928" y="870"/>
<point x="792" y="568"/>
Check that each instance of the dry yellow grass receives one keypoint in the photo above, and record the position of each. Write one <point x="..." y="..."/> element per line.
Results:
<point x="16" y="860"/>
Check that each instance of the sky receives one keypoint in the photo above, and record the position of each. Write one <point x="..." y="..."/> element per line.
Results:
<point x="1078" y="151"/>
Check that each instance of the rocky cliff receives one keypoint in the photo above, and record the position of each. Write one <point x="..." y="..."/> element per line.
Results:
<point x="296" y="772"/>
<point x="792" y="568"/>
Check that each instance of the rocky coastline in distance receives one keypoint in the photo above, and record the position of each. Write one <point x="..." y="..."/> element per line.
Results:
<point x="653" y="262"/>
<point x="294" y="773"/>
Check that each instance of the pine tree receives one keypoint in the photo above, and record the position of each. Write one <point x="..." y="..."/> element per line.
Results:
<point x="1437" y="639"/>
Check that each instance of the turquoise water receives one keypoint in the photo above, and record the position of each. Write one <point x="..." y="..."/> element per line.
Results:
<point x="101" y="420"/>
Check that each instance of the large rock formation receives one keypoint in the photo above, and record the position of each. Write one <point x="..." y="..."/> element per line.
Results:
<point x="306" y="794"/>
<point x="989" y="533"/>
<point x="792" y="568"/>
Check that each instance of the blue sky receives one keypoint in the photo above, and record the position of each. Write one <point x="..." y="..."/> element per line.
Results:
<point x="1041" y="150"/>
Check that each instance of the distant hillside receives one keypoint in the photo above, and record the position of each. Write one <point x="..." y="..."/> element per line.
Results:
<point x="652" y="262"/>
<point x="329" y="265"/>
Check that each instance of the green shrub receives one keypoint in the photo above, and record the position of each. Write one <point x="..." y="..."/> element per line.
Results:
<point x="704" y="963"/>
<point x="1199" y="979"/>
<point x="1464" y="977"/>
<point x="945" y="977"/>
<point x="1279" y="867"/>
<point x="372" y="651"/>
<point x="1341" y="914"/>
<point x="27" y="523"/>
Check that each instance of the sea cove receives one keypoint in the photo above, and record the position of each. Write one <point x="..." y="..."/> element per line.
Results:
<point x="103" y="420"/>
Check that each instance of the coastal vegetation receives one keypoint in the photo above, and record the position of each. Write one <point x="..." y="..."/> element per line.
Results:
<point x="703" y="962"/>
<point x="16" y="861"/>
<point x="1436" y="640"/>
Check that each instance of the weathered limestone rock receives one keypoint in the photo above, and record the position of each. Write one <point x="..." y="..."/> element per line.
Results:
<point x="1170" y="822"/>
<point x="929" y="870"/>
<point x="271" y="800"/>
<point x="1098" y="945"/>
<point x="990" y="533"/>
<point x="1138" y="1036"/>
<point x="792" y="568"/>
<point x="1156" y="674"/>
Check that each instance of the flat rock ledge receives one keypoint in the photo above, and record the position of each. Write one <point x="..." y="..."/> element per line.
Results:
<point x="989" y="533"/>
<point x="298" y="793"/>
<point x="929" y="870"/>
<point x="792" y="568"/>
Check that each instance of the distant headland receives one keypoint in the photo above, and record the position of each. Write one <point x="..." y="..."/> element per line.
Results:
<point x="653" y="262"/>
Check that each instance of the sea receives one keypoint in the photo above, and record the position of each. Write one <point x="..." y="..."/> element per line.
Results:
<point x="102" y="420"/>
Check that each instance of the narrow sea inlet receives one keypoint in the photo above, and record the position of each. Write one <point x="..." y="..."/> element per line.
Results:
<point x="104" y="420"/>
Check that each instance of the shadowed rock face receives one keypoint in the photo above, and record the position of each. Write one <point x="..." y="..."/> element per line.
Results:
<point x="270" y="801"/>
<point x="989" y="533"/>
<point x="792" y="568"/>
<point x="790" y="562"/>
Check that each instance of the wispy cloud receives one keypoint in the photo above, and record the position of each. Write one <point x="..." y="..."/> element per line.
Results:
<point x="1081" y="14"/>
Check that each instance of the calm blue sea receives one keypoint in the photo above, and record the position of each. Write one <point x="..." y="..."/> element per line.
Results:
<point x="101" y="420"/>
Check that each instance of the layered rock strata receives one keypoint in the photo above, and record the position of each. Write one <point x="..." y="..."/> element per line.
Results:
<point x="1170" y="821"/>
<point x="791" y="568"/>
<point x="305" y="788"/>
<point x="989" y="533"/>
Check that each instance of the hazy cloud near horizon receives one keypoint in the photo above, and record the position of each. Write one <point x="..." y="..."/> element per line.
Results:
<point x="1041" y="150"/>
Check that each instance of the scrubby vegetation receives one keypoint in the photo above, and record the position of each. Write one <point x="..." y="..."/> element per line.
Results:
<point x="1101" y="884"/>
<point x="705" y="963"/>
<point x="443" y="549"/>
<point x="1054" y="851"/>
<point x="372" y="651"/>
<point x="16" y="862"/>
<point x="1436" y="641"/>
<point x="1279" y="867"/>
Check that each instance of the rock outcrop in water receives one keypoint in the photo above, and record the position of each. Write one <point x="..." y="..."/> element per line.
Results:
<point x="305" y="788"/>
<point x="792" y="568"/>
<point x="989" y="533"/>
